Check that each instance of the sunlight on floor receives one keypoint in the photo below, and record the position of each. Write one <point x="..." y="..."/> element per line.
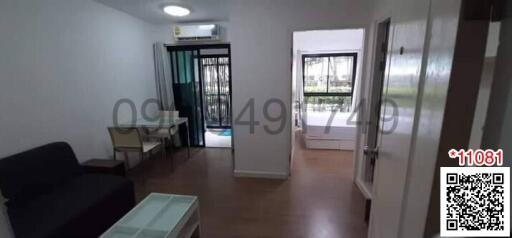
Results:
<point x="218" y="138"/>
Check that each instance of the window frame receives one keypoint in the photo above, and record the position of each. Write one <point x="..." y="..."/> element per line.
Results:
<point x="323" y="55"/>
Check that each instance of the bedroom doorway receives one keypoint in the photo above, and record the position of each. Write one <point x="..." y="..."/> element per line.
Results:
<point x="326" y="79"/>
<point x="326" y="66"/>
<point x="326" y="72"/>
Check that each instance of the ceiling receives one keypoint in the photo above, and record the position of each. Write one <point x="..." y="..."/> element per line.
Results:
<point x="151" y="10"/>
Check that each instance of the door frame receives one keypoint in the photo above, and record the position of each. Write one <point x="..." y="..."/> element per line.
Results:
<point x="362" y="128"/>
<point x="362" y="137"/>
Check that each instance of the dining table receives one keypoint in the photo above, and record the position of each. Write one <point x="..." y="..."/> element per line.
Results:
<point x="158" y="123"/>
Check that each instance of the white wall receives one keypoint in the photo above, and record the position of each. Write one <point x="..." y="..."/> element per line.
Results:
<point x="64" y="64"/>
<point x="163" y="33"/>
<point x="328" y="40"/>
<point x="261" y="38"/>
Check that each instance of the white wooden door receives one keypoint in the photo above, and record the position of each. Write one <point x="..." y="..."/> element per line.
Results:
<point x="408" y="24"/>
<point x="498" y="127"/>
<point x="422" y="52"/>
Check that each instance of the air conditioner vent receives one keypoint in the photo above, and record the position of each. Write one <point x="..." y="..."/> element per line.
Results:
<point x="197" y="32"/>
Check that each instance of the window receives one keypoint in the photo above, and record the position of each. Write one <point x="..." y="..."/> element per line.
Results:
<point x="328" y="81"/>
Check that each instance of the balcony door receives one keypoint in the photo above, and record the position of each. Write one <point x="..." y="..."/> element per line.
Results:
<point x="217" y="90"/>
<point x="202" y="87"/>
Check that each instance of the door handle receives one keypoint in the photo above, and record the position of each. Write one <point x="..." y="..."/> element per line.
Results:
<point x="371" y="152"/>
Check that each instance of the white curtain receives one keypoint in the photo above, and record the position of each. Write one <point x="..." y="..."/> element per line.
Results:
<point x="163" y="77"/>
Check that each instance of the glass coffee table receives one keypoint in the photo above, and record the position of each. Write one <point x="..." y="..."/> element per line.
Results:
<point x="159" y="216"/>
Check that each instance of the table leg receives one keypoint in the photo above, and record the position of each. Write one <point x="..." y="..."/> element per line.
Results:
<point x="197" y="233"/>
<point x="188" y="139"/>
<point x="164" y="149"/>
<point x="197" y="217"/>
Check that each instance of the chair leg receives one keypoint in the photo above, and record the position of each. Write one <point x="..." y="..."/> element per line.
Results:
<point x="164" y="147"/>
<point x="172" y="157"/>
<point x="127" y="160"/>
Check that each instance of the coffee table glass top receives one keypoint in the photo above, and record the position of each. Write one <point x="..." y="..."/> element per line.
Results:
<point x="157" y="216"/>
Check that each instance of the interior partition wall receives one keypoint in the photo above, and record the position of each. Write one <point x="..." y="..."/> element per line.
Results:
<point x="200" y="73"/>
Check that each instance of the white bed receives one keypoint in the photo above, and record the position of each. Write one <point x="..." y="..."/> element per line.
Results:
<point x="339" y="134"/>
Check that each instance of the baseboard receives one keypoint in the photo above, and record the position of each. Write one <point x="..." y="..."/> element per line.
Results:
<point x="363" y="189"/>
<point x="259" y="174"/>
<point x="329" y="144"/>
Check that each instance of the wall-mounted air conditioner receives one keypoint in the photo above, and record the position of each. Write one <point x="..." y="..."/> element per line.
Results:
<point x="196" y="32"/>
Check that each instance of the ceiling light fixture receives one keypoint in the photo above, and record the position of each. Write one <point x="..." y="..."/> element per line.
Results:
<point x="176" y="11"/>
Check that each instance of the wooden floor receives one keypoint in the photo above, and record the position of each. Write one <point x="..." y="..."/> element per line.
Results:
<point x="319" y="200"/>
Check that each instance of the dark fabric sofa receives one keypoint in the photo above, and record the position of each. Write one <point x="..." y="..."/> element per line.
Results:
<point x="49" y="194"/>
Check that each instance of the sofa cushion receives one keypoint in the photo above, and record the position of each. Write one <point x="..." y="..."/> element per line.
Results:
<point x="37" y="171"/>
<point x="77" y="206"/>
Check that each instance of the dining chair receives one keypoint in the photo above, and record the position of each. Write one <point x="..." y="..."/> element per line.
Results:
<point x="130" y="140"/>
<point x="164" y="134"/>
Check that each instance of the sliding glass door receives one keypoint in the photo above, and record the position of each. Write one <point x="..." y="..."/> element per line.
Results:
<point x="187" y="91"/>
<point x="202" y="87"/>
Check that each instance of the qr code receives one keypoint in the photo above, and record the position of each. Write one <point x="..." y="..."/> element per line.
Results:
<point x="475" y="201"/>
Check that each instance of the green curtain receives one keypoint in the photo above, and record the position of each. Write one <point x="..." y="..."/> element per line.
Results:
<point x="187" y="92"/>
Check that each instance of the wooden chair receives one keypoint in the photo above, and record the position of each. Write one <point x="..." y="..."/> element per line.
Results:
<point x="130" y="140"/>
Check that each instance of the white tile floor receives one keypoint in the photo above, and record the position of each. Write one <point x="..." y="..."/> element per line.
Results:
<point x="212" y="139"/>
